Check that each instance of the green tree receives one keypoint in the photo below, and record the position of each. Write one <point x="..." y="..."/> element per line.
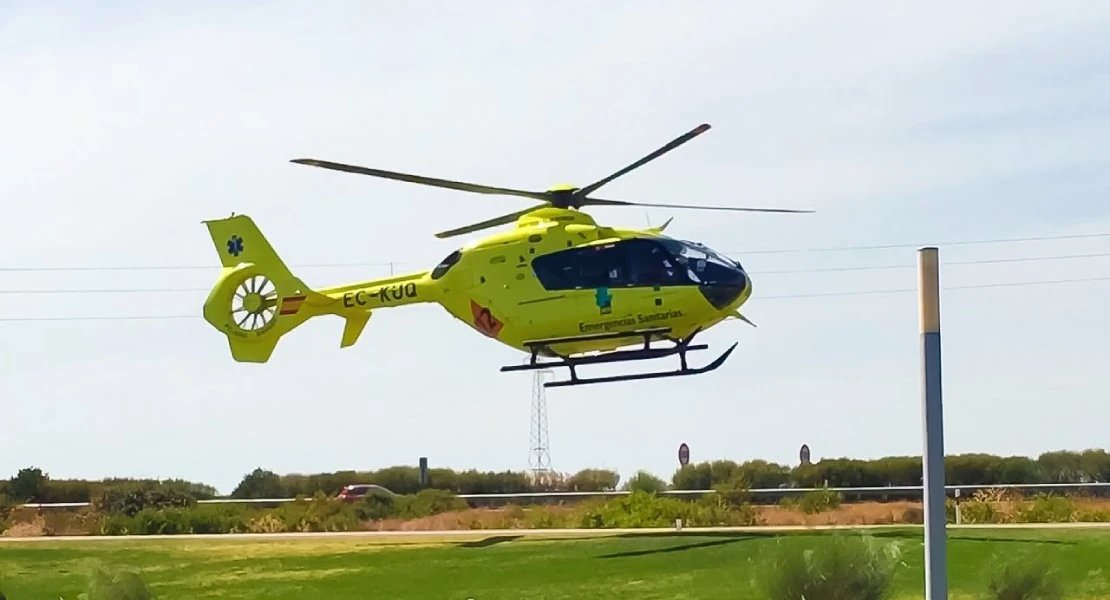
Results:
<point x="28" y="485"/>
<point x="593" y="480"/>
<point x="643" y="481"/>
<point x="259" y="483"/>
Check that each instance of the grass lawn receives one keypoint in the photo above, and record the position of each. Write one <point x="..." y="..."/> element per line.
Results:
<point x="680" y="565"/>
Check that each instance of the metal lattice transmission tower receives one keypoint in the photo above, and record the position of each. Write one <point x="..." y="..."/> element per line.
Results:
<point x="539" y="453"/>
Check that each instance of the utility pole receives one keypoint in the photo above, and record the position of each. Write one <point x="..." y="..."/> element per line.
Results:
<point x="932" y="416"/>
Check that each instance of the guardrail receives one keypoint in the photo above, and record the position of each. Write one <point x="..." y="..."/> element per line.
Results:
<point x="786" y="491"/>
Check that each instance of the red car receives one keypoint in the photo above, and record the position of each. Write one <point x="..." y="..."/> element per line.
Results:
<point x="350" y="493"/>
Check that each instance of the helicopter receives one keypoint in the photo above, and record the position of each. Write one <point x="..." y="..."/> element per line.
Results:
<point x="558" y="285"/>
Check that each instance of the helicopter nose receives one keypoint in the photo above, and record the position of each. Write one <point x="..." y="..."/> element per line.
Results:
<point x="728" y="296"/>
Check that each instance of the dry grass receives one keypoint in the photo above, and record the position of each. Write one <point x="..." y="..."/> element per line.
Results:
<point x="864" y="513"/>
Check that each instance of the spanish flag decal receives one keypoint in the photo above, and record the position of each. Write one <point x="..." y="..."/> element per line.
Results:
<point x="291" y="304"/>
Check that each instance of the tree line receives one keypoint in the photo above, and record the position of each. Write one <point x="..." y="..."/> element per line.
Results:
<point x="34" y="485"/>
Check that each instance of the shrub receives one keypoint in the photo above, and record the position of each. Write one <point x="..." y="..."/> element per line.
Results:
<point x="733" y="492"/>
<point x="820" y="500"/>
<point x="1023" y="577"/>
<point x="543" y="517"/>
<point x="645" y="482"/>
<point x="1087" y="516"/>
<point x="171" y="521"/>
<point x="215" y="518"/>
<point x="980" y="511"/>
<point x="638" y="509"/>
<point x="426" y="503"/>
<point x="843" y="567"/>
<point x="131" y="498"/>
<point x="514" y="516"/>
<point x="267" y="523"/>
<point x="593" y="480"/>
<point x="375" y="507"/>
<point x="318" y="514"/>
<point x="645" y="509"/>
<point x="1046" y="509"/>
<point x="115" y="584"/>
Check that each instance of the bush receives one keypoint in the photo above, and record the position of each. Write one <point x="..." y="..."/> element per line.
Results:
<point x="638" y="509"/>
<point x="375" y="507"/>
<point x="206" y="519"/>
<point x="115" y="584"/>
<point x="426" y="503"/>
<point x="1023" y="577"/>
<point x="1046" y="509"/>
<point x="819" y="501"/>
<point x="645" y="509"/>
<point x="733" y="492"/>
<point x="131" y="498"/>
<point x="843" y="567"/>
<point x="318" y="514"/>
<point x="645" y="482"/>
<point x="543" y="517"/>
<point x="980" y="511"/>
<point x="593" y="480"/>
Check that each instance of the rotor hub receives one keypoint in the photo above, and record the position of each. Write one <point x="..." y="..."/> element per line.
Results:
<point x="562" y="196"/>
<point x="253" y="302"/>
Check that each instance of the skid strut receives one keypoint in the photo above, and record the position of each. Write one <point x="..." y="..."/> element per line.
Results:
<point x="647" y="352"/>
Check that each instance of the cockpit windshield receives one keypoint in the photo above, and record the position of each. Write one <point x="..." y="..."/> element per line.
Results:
<point x="702" y="263"/>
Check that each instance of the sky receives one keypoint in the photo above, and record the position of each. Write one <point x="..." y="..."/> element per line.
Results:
<point x="902" y="124"/>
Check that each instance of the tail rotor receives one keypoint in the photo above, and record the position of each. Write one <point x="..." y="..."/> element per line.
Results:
<point x="254" y="305"/>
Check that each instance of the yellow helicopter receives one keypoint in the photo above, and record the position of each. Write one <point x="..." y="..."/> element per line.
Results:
<point x="558" y="285"/>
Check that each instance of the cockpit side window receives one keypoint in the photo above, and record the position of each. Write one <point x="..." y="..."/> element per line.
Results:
<point x="702" y="264"/>
<point x="627" y="263"/>
<point x="446" y="264"/>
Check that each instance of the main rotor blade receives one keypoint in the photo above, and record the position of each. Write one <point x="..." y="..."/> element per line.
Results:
<point x="494" y="222"/>
<point x="601" y="202"/>
<point x="432" y="181"/>
<point x="675" y="143"/>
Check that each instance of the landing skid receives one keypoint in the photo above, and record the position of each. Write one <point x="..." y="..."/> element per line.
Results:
<point x="680" y="347"/>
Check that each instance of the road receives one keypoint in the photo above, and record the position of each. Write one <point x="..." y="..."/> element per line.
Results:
<point x="487" y="533"/>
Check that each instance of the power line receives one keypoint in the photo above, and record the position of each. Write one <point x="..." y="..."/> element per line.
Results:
<point x="977" y="286"/>
<point x="940" y="244"/>
<point x="780" y="297"/>
<point x="943" y="263"/>
<point x="736" y="252"/>
<point x="776" y="272"/>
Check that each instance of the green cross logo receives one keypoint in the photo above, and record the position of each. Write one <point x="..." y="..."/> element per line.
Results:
<point x="604" y="300"/>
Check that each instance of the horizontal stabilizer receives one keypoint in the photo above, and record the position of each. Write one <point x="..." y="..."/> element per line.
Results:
<point x="353" y="327"/>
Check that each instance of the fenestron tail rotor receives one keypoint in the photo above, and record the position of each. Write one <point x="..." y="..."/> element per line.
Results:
<point x="254" y="304"/>
<point x="561" y="197"/>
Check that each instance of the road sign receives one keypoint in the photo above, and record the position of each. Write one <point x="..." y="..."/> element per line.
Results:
<point x="683" y="454"/>
<point x="803" y="454"/>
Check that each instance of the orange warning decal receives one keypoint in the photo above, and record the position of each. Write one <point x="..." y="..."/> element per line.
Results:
<point x="484" y="321"/>
<point x="291" y="304"/>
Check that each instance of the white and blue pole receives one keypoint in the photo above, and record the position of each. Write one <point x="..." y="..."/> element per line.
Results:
<point x="932" y="465"/>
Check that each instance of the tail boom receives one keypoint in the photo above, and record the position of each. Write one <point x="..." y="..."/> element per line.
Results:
<point x="414" y="288"/>
<point x="257" y="300"/>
